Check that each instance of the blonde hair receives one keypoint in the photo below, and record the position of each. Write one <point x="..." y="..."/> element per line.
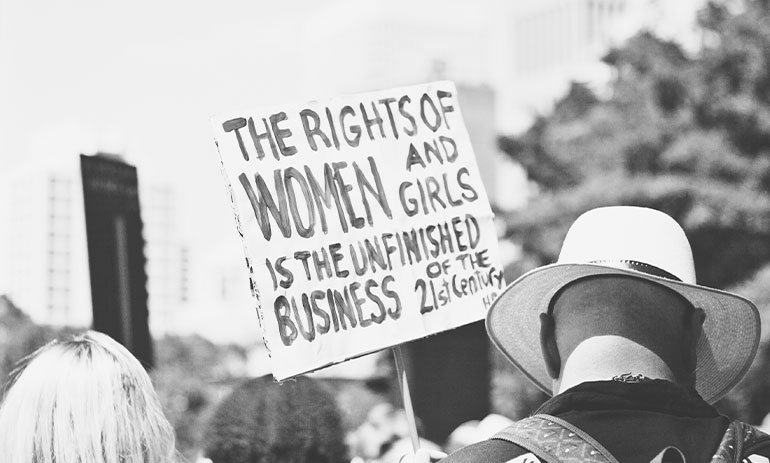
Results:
<point x="84" y="399"/>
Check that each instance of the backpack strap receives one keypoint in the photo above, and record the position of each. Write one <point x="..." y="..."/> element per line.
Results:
<point x="754" y="440"/>
<point x="740" y="441"/>
<point x="555" y="441"/>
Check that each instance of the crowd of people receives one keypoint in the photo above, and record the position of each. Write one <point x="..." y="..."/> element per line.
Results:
<point x="85" y="398"/>
<point x="632" y="349"/>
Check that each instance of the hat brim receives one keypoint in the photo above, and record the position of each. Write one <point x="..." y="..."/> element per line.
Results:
<point x="725" y="349"/>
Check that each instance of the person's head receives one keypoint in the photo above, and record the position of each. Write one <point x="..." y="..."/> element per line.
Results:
<point x="625" y="284"/>
<point x="265" y="422"/>
<point x="615" y="316"/>
<point x="83" y="399"/>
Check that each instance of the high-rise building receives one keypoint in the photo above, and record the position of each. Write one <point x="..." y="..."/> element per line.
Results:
<point x="221" y="307"/>
<point x="355" y="46"/>
<point x="362" y="46"/>
<point x="552" y="42"/>
<point x="43" y="248"/>
<point x="504" y="181"/>
<point x="168" y="260"/>
<point x="43" y="260"/>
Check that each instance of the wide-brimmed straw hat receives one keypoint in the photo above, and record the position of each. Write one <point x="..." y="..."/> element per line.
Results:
<point x="640" y="243"/>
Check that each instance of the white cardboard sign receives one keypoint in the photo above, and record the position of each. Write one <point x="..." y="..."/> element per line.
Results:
<point x="364" y="222"/>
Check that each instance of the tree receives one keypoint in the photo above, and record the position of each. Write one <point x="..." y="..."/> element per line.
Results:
<point x="20" y="337"/>
<point x="687" y="135"/>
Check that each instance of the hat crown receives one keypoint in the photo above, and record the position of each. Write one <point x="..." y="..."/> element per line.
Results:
<point x="615" y="236"/>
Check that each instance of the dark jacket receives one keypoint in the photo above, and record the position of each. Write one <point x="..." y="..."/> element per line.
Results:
<point x="634" y="421"/>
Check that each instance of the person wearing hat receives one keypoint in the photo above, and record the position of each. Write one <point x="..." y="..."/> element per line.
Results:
<point x="632" y="349"/>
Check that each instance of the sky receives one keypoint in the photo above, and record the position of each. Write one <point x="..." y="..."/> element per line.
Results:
<point x="142" y="79"/>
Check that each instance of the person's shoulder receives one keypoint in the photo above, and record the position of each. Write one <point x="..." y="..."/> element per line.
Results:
<point x="491" y="451"/>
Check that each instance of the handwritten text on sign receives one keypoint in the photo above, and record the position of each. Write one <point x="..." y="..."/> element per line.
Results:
<point x="364" y="221"/>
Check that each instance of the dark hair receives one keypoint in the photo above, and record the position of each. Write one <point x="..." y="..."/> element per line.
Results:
<point x="265" y="422"/>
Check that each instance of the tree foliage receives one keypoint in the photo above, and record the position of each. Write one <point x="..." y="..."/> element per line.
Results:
<point x="689" y="135"/>
<point x="20" y="337"/>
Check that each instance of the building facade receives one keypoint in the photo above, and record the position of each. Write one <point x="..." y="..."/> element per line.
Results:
<point x="550" y="43"/>
<point x="43" y="247"/>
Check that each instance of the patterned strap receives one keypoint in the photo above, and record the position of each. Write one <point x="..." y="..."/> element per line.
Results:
<point x="555" y="441"/>
<point x="740" y="441"/>
<point x="754" y="440"/>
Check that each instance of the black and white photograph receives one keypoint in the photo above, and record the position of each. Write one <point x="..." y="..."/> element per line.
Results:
<point x="385" y="231"/>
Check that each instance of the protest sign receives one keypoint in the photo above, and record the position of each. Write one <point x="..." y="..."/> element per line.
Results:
<point x="364" y="222"/>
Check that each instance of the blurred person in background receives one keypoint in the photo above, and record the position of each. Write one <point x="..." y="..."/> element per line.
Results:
<point x="474" y="431"/>
<point x="383" y="437"/>
<point x="265" y="422"/>
<point x="83" y="399"/>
